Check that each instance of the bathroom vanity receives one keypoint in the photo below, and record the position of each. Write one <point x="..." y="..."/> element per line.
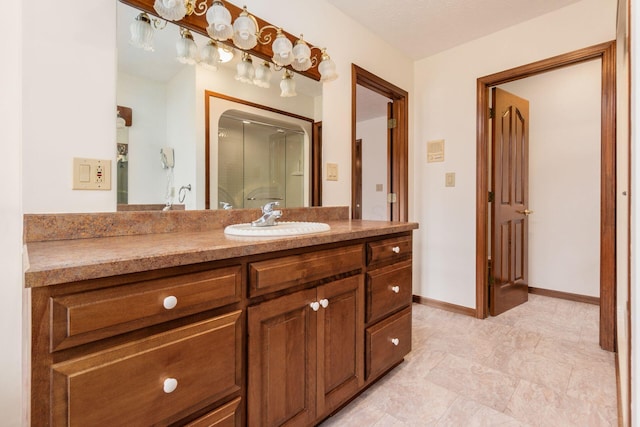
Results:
<point x="133" y="326"/>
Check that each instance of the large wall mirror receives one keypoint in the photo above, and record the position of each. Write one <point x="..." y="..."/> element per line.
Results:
<point x="177" y="109"/>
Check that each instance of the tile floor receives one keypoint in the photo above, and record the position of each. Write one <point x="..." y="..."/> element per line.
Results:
<point x="536" y="365"/>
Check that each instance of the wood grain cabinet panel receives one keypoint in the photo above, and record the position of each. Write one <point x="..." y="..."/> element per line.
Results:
<point x="227" y="415"/>
<point x="388" y="289"/>
<point x="88" y="316"/>
<point x="281" y="273"/>
<point x="387" y="342"/>
<point x="394" y="249"/>
<point x="305" y="362"/>
<point x="148" y="381"/>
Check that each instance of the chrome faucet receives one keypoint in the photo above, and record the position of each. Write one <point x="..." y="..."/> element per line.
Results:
<point x="269" y="215"/>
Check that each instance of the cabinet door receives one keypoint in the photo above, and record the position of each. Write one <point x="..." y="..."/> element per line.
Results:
<point x="282" y="361"/>
<point x="340" y="342"/>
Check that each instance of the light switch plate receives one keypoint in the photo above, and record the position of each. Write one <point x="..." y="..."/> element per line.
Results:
<point x="332" y="171"/>
<point x="91" y="174"/>
<point x="450" y="179"/>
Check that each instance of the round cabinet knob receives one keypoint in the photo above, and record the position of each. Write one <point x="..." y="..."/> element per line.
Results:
<point x="169" y="385"/>
<point x="170" y="302"/>
<point x="324" y="303"/>
<point x="396" y="249"/>
<point x="315" y="306"/>
<point x="395" y="341"/>
<point x="395" y="289"/>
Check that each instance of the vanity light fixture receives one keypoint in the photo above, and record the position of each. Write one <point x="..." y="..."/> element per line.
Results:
<point x="287" y="85"/>
<point x="282" y="49"/>
<point x="262" y="76"/>
<point x="187" y="51"/>
<point x="210" y="55"/>
<point x="219" y="20"/>
<point x="142" y="32"/>
<point x="245" y="70"/>
<point x="245" y="30"/>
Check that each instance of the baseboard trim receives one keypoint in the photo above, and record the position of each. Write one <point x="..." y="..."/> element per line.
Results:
<point x="565" y="295"/>
<point x="444" y="306"/>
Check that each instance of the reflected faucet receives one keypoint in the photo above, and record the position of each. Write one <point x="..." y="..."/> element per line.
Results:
<point x="225" y="205"/>
<point x="269" y="215"/>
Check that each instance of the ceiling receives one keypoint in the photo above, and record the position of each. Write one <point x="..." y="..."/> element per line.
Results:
<point x="421" y="28"/>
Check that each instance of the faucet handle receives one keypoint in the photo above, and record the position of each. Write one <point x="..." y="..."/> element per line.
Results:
<point x="268" y="208"/>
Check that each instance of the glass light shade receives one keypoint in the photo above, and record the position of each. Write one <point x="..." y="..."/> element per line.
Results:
<point x="171" y="10"/>
<point x="245" y="31"/>
<point x="327" y="69"/>
<point x="287" y="86"/>
<point x="226" y="54"/>
<point x="282" y="50"/>
<point x="219" y="20"/>
<point x="245" y="70"/>
<point x="141" y="32"/>
<point x="209" y="56"/>
<point x="301" y="56"/>
<point x="262" y="77"/>
<point x="186" y="49"/>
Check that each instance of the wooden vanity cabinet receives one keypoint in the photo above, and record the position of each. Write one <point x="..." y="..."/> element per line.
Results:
<point x="145" y="349"/>
<point x="389" y="297"/>
<point x="306" y="349"/>
<point x="275" y="339"/>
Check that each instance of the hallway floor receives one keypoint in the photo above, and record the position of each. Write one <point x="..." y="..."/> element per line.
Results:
<point x="536" y="365"/>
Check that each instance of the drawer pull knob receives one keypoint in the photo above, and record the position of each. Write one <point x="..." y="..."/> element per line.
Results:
<point x="170" y="302"/>
<point x="324" y="303"/>
<point x="315" y="306"/>
<point x="169" y="385"/>
<point x="395" y="289"/>
<point x="396" y="249"/>
<point x="395" y="341"/>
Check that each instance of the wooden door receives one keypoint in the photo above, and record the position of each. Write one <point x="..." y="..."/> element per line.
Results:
<point x="508" y="284"/>
<point x="282" y="361"/>
<point x="357" y="180"/>
<point x="340" y="342"/>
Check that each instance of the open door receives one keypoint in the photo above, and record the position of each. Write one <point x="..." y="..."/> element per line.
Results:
<point x="508" y="283"/>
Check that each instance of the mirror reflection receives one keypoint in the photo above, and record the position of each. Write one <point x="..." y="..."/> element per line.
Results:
<point x="169" y="110"/>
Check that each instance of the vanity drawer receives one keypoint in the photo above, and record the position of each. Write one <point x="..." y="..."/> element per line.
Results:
<point x="388" y="289"/>
<point x="89" y="316"/>
<point x="281" y="273"/>
<point x="387" y="342"/>
<point x="227" y="415"/>
<point x="389" y="249"/>
<point x="132" y="384"/>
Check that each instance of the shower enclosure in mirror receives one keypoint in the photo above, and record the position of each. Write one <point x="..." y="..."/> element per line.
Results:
<point x="259" y="162"/>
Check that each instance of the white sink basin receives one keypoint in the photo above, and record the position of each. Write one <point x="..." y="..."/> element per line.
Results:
<point x="282" y="228"/>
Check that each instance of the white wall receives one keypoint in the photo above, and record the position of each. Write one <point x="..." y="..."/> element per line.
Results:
<point x="564" y="177"/>
<point x="181" y="122"/>
<point x="445" y="253"/>
<point x="69" y="98"/>
<point x="11" y="217"/>
<point x="373" y="133"/>
<point x="148" y="132"/>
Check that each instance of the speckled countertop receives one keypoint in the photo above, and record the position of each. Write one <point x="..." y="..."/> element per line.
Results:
<point x="54" y="261"/>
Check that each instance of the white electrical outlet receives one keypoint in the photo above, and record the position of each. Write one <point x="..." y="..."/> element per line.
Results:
<point x="91" y="174"/>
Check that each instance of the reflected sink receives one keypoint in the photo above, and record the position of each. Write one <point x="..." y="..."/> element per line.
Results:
<point x="282" y="228"/>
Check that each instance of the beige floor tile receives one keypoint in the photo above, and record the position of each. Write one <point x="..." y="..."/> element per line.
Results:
<point x="469" y="413"/>
<point x="541" y="406"/>
<point x="538" y="364"/>
<point x="488" y="386"/>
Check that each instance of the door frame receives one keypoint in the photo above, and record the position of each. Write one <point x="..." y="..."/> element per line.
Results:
<point x="607" y="53"/>
<point x="400" y="167"/>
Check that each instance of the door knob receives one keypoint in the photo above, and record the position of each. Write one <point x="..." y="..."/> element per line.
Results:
<point x="525" y="212"/>
<point x="324" y="303"/>
<point x="315" y="306"/>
